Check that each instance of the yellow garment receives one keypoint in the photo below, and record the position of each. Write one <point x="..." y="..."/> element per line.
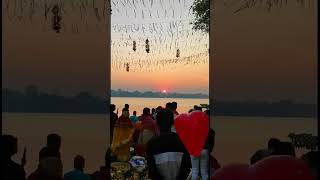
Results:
<point x="121" y="142"/>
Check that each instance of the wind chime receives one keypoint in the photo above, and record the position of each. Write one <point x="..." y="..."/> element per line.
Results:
<point x="56" y="19"/>
<point x="147" y="46"/>
<point x="127" y="67"/>
<point x="178" y="53"/>
<point x="134" y="46"/>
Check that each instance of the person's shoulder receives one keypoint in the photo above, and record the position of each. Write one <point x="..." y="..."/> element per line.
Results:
<point x="44" y="149"/>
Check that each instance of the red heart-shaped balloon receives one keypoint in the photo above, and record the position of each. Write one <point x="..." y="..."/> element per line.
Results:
<point x="233" y="172"/>
<point x="192" y="129"/>
<point x="270" y="168"/>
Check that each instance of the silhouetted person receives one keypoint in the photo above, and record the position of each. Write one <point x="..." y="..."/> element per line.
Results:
<point x="53" y="147"/>
<point x="263" y="153"/>
<point x="50" y="168"/>
<point x="134" y="118"/>
<point x="169" y="106"/>
<point x="104" y="172"/>
<point x="126" y="106"/>
<point x="167" y="157"/>
<point x="198" y="108"/>
<point x="153" y="112"/>
<point x="174" y="108"/>
<point x="147" y="122"/>
<point x="284" y="148"/>
<point x="10" y="169"/>
<point x="149" y="128"/>
<point x="273" y="143"/>
<point x="157" y="110"/>
<point x="122" y="136"/>
<point x="113" y="120"/>
<point x="200" y="163"/>
<point x="77" y="173"/>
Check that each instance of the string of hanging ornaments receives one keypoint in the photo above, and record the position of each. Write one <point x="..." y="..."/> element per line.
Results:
<point x="56" y="20"/>
<point x="83" y="15"/>
<point x="82" y="11"/>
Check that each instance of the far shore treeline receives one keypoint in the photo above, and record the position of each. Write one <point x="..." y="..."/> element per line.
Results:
<point x="33" y="100"/>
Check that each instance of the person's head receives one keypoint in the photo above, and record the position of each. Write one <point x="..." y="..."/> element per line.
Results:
<point x="134" y="113"/>
<point x="112" y="107"/>
<point x="146" y="111"/>
<point x="284" y="148"/>
<point x="273" y="143"/>
<point x="53" y="141"/>
<point x="165" y="120"/>
<point x="153" y="110"/>
<point x="78" y="162"/>
<point x="195" y="107"/>
<point x="158" y="108"/>
<point x="126" y="106"/>
<point x="9" y="144"/>
<point x="125" y="112"/>
<point x="168" y="105"/>
<point x="174" y="105"/>
<point x="198" y="108"/>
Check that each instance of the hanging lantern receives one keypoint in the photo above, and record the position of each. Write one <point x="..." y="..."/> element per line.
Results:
<point x="127" y="67"/>
<point x="147" y="46"/>
<point x="178" y="53"/>
<point x="134" y="46"/>
<point x="56" y="19"/>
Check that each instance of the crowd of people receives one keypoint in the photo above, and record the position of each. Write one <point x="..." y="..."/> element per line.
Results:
<point x="153" y="136"/>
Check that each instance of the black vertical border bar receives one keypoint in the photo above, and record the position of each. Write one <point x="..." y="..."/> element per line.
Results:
<point x="1" y="62"/>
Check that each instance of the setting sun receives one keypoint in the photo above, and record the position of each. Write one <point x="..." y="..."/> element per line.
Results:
<point x="164" y="91"/>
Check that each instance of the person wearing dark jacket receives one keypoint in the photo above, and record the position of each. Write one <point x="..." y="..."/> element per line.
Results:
<point x="11" y="170"/>
<point x="167" y="157"/>
<point x="113" y="120"/>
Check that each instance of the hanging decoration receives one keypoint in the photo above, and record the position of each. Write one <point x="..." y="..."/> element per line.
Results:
<point x="134" y="46"/>
<point x="147" y="46"/>
<point x="56" y="19"/>
<point x="178" y="53"/>
<point x="127" y="67"/>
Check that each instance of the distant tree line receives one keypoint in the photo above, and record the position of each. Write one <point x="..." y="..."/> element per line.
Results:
<point x="150" y="94"/>
<point x="33" y="100"/>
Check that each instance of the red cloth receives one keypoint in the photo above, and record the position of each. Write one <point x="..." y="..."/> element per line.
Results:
<point x="148" y="123"/>
<point x="141" y="150"/>
<point x="123" y="122"/>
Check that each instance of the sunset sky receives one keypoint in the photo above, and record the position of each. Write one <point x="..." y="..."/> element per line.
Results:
<point x="258" y="55"/>
<point x="167" y="27"/>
